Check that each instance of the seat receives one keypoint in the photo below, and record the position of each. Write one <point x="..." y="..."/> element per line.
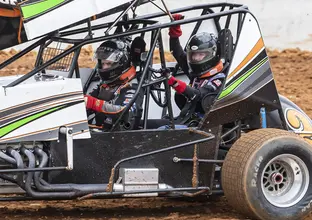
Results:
<point x="226" y="47"/>
<point x="138" y="46"/>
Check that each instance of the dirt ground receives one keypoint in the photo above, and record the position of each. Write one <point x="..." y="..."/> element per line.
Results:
<point x="292" y="70"/>
<point x="141" y="209"/>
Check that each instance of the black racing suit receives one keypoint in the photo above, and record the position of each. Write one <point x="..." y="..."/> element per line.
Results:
<point x="116" y="98"/>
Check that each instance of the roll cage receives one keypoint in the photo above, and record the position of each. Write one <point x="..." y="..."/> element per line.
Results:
<point x="137" y="25"/>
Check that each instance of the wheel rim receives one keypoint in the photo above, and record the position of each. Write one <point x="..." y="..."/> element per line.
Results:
<point x="285" y="180"/>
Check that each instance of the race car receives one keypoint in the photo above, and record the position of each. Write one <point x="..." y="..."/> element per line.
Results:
<point x="253" y="144"/>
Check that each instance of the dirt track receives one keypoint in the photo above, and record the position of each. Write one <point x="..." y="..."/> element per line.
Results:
<point x="293" y="73"/>
<point x="151" y="208"/>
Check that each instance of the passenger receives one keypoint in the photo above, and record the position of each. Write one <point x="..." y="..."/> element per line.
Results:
<point x="117" y="88"/>
<point x="202" y="64"/>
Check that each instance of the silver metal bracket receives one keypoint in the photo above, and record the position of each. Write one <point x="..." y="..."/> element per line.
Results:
<point x="68" y="132"/>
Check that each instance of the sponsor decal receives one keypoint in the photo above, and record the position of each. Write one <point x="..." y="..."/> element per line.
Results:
<point x="126" y="101"/>
<point x="255" y="171"/>
<point x="194" y="47"/>
<point x="213" y="71"/>
<point x="299" y="122"/>
<point x="8" y="2"/>
<point x="98" y="103"/>
<point x="109" y="120"/>
<point x="217" y="82"/>
<point x="203" y="83"/>
<point x="129" y="96"/>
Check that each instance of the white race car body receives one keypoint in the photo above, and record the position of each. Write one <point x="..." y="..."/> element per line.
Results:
<point x="36" y="111"/>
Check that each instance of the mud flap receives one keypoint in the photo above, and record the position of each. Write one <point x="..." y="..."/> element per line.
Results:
<point x="209" y="151"/>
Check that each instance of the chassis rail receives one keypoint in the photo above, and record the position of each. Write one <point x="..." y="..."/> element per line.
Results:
<point x="185" y="192"/>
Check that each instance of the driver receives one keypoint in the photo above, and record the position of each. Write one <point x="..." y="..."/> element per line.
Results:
<point x="117" y="88"/>
<point x="202" y="64"/>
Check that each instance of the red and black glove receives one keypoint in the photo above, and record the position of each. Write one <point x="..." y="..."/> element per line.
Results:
<point x="102" y="106"/>
<point x="175" y="31"/>
<point x="94" y="103"/>
<point x="177" y="84"/>
<point x="181" y="88"/>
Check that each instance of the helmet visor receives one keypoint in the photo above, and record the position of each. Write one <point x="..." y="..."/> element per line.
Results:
<point x="109" y="54"/>
<point x="201" y="56"/>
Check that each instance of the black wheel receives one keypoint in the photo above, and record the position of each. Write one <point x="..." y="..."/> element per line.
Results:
<point x="267" y="174"/>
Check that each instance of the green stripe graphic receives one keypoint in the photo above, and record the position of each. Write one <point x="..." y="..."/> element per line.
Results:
<point x="9" y="128"/>
<point x="230" y="89"/>
<point x="39" y="7"/>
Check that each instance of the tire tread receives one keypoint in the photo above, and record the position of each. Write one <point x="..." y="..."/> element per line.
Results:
<point x="236" y="163"/>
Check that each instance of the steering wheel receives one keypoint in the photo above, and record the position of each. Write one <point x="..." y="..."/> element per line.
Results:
<point x="156" y="90"/>
<point x="158" y="99"/>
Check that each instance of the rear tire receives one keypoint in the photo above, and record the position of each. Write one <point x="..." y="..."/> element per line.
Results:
<point x="267" y="174"/>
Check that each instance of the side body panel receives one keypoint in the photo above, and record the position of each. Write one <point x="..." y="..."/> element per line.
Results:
<point x="34" y="112"/>
<point x="249" y="84"/>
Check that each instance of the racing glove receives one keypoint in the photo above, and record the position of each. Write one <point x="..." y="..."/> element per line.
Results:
<point x="102" y="106"/>
<point x="181" y="87"/>
<point x="192" y="95"/>
<point x="175" y="31"/>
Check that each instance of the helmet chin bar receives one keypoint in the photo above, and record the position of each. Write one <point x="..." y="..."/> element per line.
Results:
<point x="198" y="70"/>
<point x="108" y="75"/>
<point x="118" y="79"/>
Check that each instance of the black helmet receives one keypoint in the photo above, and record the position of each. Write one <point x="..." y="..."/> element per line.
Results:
<point x="202" y="53"/>
<point x="116" y="52"/>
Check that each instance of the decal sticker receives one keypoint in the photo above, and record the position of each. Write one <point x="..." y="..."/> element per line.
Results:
<point x="255" y="172"/>
<point x="217" y="82"/>
<point x="8" y="2"/>
<point x="213" y="71"/>
<point x="126" y="101"/>
<point x="194" y="47"/>
<point x="129" y="96"/>
<point x="299" y="122"/>
<point x="109" y="120"/>
<point x="97" y="103"/>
